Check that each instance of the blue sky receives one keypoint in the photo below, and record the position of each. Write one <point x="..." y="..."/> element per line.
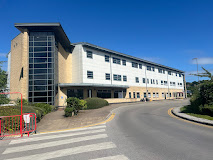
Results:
<point x="168" y="32"/>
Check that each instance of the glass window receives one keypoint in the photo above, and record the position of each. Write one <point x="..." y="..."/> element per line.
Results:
<point x="107" y="76"/>
<point x="144" y="94"/>
<point x="104" y="93"/>
<point x="154" y="95"/>
<point x="106" y="58"/>
<point x="136" y="79"/>
<point x="157" y="95"/>
<point x="163" y="95"/>
<point x="149" y="95"/>
<point x="149" y="68"/>
<point x="116" y="77"/>
<point x="133" y="94"/>
<point x="147" y="81"/>
<point x="89" y="54"/>
<point x="144" y="80"/>
<point x="124" y="78"/>
<point x="134" y="65"/>
<point x="160" y="70"/>
<point x="130" y="95"/>
<point x="161" y="82"/>
<point x="138" y="94"/>
<point x="169" y="73"/>
<point x="116" y="60"/>
<point x="90" y="74"/>
<point x="140" y="66"/>
<point x="123" y="62"/>
<point x="75" y="93"/>
<point x="153" y="68"/>
<point x="156" y="81"/>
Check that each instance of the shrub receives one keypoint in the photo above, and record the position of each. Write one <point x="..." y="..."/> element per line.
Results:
<point x="4" y="99"/>
<point x="83" y="104"/>
<point x="94" y="103"/>
<point x="46" y="107"/>
<point x="24" y="102"/>
<point x="69" y="111"/>
<point x="207" y="110"/>
<point x="76" y="105"/>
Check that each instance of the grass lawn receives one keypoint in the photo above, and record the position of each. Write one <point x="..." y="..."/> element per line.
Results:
<point x="184" y="110"/>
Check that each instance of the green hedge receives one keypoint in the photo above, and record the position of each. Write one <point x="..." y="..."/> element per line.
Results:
<point x="94" y="103"/>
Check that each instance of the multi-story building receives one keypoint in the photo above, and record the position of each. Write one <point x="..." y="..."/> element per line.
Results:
<point x="46" y="67"/>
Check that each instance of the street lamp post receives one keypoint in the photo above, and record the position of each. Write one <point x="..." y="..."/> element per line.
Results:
<point x="197" y="68"/>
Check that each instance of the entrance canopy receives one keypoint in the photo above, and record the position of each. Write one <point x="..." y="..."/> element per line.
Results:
<point x="91" y="85"/>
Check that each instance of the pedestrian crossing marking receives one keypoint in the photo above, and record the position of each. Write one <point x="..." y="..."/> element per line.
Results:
<point x="68" y="151"/>
<point x="118" y="157"/>
<point x="37" y="138"/>
<point x="52" y="144"/>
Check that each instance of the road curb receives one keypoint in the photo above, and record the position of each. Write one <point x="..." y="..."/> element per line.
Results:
<point x="176" y="112"/>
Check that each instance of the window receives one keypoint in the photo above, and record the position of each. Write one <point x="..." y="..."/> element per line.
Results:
<point x="179" y="75"/>
<point x="116" y="60"/>
<point x="106" y="58"/>
<point x="169" y="73"/>
<point x="156" y="81"/>
<point x="90" y="74"/>
<point x="138" y="94"/>
<point x="163" y="71"/>
<point x="133" y="94"/>
<point x="163" y="95"/>
<point x="153" y="68"/>
<point x="170" y="94"/>
<point x="160" y="70"/>
<point x="136" y="79"/>
<point x="161" y="82"/>
<point x="124" y="78"/>
<point x="89" y="54"/>
<point x="123" y="62"/>
<point x="147" y="81"/>
<point x="176" y="74"/>
<point x="144" y="80"/>
<point x="149" y="95"/>
<point x="144" y="94"/>
<point x="134" y="65"/>
<point x="107" y="76"/>
<point x="104" y="93"/>
<point x="157" y="95"/>
<point x="149" y="68"/>
<point x="165" y="82"/>
<point x="154" y="95"/>
<point x="140" y="66"/>
<point x="130" y="95"/>
<point x="151" y="81"/>
<point x="116" y="77"/>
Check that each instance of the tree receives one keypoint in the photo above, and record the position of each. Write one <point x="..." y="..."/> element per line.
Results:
<point x="3" y="78"/>
<point x="205" y="74"/>
<point x="3" y="84"/>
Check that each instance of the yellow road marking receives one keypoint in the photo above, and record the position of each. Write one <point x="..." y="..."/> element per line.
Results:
<point x="199" y="124"/>
<point x="109" y="119"/>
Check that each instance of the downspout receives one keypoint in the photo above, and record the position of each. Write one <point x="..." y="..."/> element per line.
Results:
<point x="184" y="79"/>
<point x="168" y="84"/>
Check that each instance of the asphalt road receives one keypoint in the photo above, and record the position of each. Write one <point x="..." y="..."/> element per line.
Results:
<point x="146" y="131"/>
<point x="140" y="131"/>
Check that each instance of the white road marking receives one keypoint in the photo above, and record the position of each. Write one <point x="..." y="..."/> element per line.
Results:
<point x="118" y="157"/>
<point x="68" y="151"/>
<point x="52" y="144"/>
<point x="36" y="138"/>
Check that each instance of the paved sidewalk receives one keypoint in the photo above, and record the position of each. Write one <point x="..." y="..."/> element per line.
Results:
<point x="56" y="120"/>
<point x="176" y="111"/>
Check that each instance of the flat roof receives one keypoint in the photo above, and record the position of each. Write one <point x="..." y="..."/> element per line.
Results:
<point x="91" y="85"/>
<point x="92" y="46"/>
<point x="47" y="27"/>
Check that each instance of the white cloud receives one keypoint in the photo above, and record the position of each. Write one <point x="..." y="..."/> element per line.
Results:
<point x="203" y="61"/>
<point x="3" y="54"/>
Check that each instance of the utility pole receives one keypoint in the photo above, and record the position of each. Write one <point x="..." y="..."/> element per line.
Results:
<point x="197" y="68"/>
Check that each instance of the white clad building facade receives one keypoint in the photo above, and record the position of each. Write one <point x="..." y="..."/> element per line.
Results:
<point x="99" y="72"/>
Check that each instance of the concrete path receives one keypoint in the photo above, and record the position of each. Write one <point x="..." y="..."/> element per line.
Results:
<point x="56" y="120"/>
